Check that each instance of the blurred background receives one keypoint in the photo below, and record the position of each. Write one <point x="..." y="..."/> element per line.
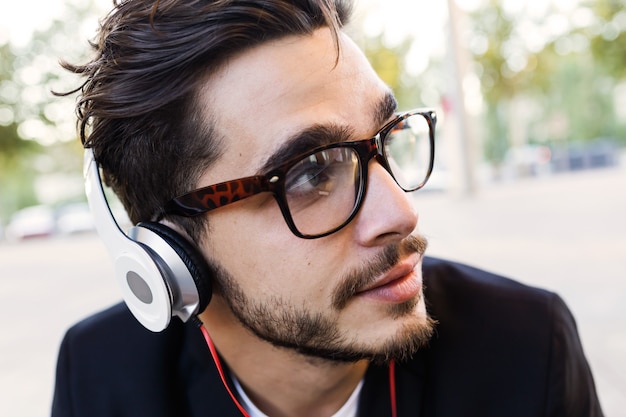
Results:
<point x="530" y="177"/>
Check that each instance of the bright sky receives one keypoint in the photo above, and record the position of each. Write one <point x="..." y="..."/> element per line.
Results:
<point x="423" y="19"/>
<point x="397" y="17"/>
<point x="19" y="18"/>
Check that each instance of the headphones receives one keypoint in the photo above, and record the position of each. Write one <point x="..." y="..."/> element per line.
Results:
<point x="161" y="273"/>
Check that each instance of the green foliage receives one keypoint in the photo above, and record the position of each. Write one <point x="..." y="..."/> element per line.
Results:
<point x="389" y="62"/>
<point x="37" y="131"/>
<point x="570" y="91"/>
<point x="608" y="44"/>
<point x="580" y="92"/>
<point x="490" y="25"/>
<point x="16" y="179"/>
<point x="496" y="142"/>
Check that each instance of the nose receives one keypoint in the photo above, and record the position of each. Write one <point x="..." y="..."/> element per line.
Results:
<point x="386" y="214"/>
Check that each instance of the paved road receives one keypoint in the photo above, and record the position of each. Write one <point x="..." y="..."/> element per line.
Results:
<point x="566" y="233"/>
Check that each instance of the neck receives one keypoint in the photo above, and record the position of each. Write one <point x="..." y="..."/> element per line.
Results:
<point x="280" y="381"/>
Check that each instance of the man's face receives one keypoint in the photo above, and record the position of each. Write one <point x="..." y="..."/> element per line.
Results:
<point x="356" y="293"/>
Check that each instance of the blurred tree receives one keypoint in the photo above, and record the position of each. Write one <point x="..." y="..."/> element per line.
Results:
<point x="608" y="46"/>
<point x="500" y="66"/>
<point x="608" y="36"/>
<point x="580" y="95"/>
<point x="37" y="130"/>
<point x="16" y="175"/>
<point x="389" y="62"/>
<point x="542" y="82"/>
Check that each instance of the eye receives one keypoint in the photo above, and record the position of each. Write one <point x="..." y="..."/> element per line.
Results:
<point x="310" y="174"/>
<point x="321" y="174"/>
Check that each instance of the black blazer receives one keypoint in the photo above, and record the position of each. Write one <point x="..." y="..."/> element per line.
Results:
<point x="501" y="349"/>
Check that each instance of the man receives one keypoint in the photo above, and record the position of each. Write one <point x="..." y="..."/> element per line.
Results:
<point x="257" y="133"/>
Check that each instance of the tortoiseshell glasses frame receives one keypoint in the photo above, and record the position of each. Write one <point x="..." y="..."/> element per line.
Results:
<point x="321" y="191"/>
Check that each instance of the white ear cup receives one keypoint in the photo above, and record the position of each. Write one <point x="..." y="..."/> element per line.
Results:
<point x="144" y="289"/>
<point x="184" y="297"/>
<point x="142" y="276"/>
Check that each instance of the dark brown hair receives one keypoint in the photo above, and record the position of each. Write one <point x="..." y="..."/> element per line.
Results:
<point x="138" y="106"/>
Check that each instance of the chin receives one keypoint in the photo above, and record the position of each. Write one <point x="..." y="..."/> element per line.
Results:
<point x="406" y="325"/>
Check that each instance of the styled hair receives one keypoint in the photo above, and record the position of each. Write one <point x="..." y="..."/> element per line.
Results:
<point x="138" y="107"/>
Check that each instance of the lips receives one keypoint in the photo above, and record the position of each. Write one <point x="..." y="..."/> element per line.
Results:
<point x="399" y="284"/>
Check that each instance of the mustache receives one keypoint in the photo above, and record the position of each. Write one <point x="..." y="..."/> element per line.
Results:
<point x="359" y="278"/>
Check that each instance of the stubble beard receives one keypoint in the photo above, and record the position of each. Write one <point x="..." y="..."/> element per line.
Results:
<point x="315" y="334"/>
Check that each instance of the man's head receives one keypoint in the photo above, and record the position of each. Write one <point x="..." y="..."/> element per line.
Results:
<point x="294" y="105"/>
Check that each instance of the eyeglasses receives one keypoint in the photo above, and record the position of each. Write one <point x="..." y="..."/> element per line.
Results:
<point x="321" y="191"/>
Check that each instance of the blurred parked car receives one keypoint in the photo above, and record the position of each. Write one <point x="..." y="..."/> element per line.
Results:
<point x="74" y="218"/>
<point x="31" y="222"/>
<point x="599" y="153"/>
<point x="527" y="161"/>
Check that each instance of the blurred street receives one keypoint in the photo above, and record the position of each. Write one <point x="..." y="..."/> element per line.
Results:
<point x="565" y="232"/>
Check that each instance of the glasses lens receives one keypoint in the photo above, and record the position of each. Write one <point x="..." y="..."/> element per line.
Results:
<point x="321" y="190"/>
<point x="408" y="151"/>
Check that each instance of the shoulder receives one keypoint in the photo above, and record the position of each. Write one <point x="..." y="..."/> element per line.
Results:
<point x="458" y="292"/>
<point x="113" y="340"/>
<point x="114" y="334"/>
<point x="109" y="362"/>
<point x="443" y="275"/>
<point x="478" y="308"/>
<point x="109" y="365"/>
<point x="497" y="338"/>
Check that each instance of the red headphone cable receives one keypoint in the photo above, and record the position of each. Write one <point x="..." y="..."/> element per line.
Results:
<point x="392" y="388"/>
<point x="218" y="364"/>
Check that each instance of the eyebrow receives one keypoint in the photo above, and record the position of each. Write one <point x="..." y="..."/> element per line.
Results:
<point x="385" y="108"/>
<point x="320" y="135"/>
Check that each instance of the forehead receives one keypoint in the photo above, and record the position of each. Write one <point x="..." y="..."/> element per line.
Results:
<point x="265" y="95"/>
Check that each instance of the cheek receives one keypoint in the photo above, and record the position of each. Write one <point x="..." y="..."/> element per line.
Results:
<point x="253" y="243"/>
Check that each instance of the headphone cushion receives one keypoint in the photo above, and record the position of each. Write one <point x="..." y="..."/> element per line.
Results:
<point x="191" y="257"/>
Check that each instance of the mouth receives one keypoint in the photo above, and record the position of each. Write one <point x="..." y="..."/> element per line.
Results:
<point x="401" y="283"/>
